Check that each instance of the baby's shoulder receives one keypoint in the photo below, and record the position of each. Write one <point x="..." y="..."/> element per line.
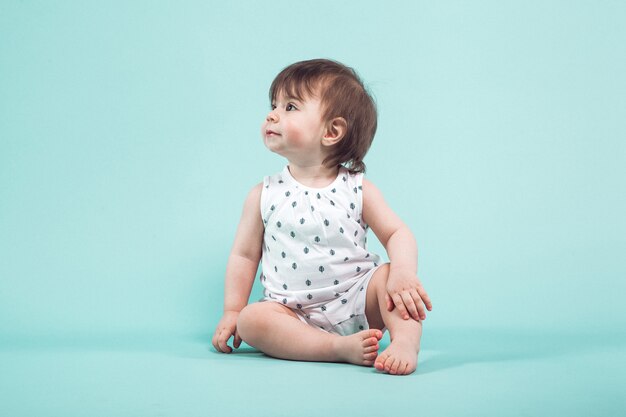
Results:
<point x="371" y="193"/>
<point x="254" y="195"/>
<point x="278" y="178"/>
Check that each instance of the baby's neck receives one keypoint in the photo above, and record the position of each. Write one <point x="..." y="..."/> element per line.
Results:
<point x="318" y="176"/>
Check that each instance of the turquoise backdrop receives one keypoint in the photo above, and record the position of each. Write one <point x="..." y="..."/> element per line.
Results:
<point x="129" y="138"/>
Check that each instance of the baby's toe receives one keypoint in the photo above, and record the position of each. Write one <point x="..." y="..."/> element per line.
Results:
<point x="380" y="362"/>
<point x="411" y="367"/>
<point x="372" y="348"/>
<point x="375" y="333"/>
<point x="389" y="363"/>
<point x="397" y="365"/>
<point x="402" y="369"/>
<point x="370" y="341"/>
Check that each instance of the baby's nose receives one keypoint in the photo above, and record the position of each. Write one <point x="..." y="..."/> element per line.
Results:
<point x="272" y="117"/>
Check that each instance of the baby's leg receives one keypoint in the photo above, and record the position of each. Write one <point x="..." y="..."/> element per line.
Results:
<point x="400" y="357"/>
<point x="276" y="331"/>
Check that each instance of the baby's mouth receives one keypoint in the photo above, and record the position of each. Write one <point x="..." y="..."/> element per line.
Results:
<point x="271" y="133"/>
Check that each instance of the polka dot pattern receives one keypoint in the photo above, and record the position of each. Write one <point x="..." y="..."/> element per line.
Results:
<point x="315" y="246"/>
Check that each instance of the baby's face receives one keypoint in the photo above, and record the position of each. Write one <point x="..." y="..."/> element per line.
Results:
<point x="294" y="129"/>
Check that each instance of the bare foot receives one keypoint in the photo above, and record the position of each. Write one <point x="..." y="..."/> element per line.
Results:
<point x="360" y="348"/>
<point x="400" y="357"/>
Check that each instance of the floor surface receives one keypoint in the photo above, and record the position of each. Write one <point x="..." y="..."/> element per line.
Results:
<point x="461" y="372"/>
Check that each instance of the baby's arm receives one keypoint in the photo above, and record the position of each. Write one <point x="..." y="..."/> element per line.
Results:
<point x="404" y="289"/>
<point x="241" y="270"/>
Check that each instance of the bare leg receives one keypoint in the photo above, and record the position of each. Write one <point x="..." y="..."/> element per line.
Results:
<point x="276" y="331"/>
<point x="400" y="357"/>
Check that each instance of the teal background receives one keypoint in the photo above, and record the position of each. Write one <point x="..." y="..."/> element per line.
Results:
<point x="129" y="138"/>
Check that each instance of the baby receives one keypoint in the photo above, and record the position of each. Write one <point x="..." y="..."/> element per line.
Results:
<point x="326" y="297"/>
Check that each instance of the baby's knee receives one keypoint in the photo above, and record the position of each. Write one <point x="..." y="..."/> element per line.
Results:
<point x="245" y="320"/>
<point x="380" y="276"/>
<point x="384" y="270"/>
<point x="250" y="320"/>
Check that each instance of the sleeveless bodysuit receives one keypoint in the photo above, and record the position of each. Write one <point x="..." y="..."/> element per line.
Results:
<point x="315" y="258"/>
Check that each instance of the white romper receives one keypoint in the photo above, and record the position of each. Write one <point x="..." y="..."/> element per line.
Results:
<point x="315" y="257"/>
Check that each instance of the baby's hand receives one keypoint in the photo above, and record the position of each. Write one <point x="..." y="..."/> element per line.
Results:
<point x="405" y="291"/>
<point x="226" y="328"/>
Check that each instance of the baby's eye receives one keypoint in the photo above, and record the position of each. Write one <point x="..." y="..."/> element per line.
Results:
<point x="273" y="106"/>
<point x="291" y="107"/>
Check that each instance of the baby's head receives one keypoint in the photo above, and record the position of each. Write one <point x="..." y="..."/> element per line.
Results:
<point x="343" y="95"/>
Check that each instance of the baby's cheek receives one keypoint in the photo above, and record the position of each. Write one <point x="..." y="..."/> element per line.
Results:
<point x="297" y="138"/>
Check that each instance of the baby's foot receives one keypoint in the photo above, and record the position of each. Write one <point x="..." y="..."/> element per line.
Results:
<point x="360" y="348"/>
<point x="400" y="357"/>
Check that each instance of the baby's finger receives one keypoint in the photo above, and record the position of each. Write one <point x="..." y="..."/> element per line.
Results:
<point x="237" y="341"/>
<point x="419" y="304"/>
<point x="390" y="305"/>
<point x="214" y="341"/>
<point x="410" y="304"/>
<point x="223" y="342"/>
<point x="425" y="298"/>
<point x="397" y="299"/>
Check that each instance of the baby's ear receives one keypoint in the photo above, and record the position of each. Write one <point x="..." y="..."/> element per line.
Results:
<point x="335" y="131"/>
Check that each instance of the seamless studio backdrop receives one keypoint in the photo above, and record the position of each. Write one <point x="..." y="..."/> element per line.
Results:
<point x="130" y="136"/>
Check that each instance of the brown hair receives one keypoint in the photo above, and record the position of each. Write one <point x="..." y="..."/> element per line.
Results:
<point x="343" y="95"/>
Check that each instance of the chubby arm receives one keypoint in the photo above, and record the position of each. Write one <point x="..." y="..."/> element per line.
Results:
<point x="404" y="289"/>
<point x="241" y="270"/>
<point x="245" y="254"/>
